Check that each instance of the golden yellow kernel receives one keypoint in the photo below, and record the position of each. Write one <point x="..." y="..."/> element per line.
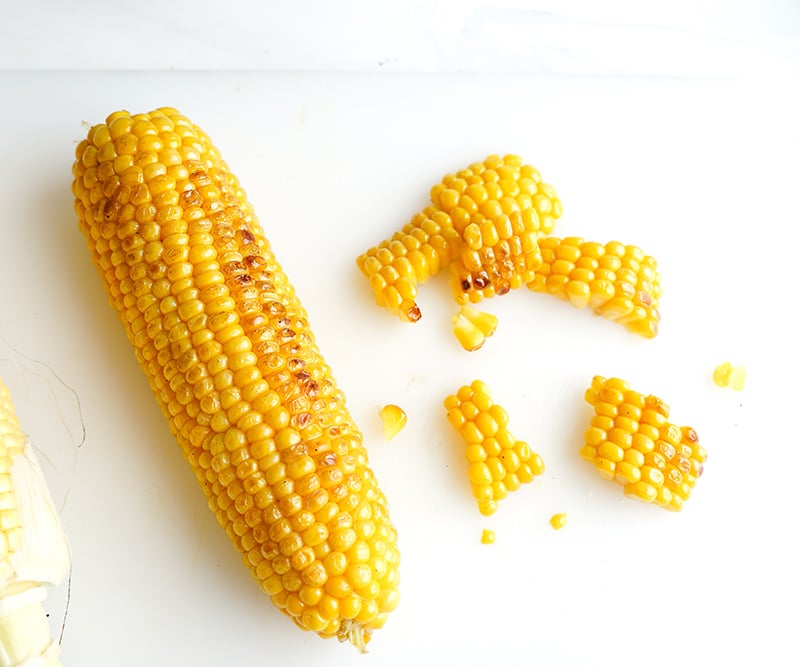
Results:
<point x="722" y="374"/>
<point x="558" y="521"/>
<point x="393" y="418"/>
<point x="487" y="536"/>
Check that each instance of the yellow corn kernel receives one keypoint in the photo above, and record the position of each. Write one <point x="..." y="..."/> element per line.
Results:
<point x="498" y="462"/>
<point x="727" y="375"/>
<point x="558" y="521"/>
<point x="655" y="460"/>
<point x="487" y="536"/>
<point x="472" y="327"/>
<point x="34" y="553"/>
<point x="623" y="284"/>
<point x="394" y="419"/>
<point x="242" y="380"/>
<point x="484" y="223"/>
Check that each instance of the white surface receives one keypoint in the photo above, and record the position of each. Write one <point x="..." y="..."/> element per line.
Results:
<point x="699" y="172"/>
<point x="681" y="37"/>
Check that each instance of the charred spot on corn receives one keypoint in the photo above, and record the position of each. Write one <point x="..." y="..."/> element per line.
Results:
<point x="225" y="344"/>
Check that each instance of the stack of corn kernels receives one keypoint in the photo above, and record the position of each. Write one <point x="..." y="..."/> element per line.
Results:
<point x="630" y="440"/>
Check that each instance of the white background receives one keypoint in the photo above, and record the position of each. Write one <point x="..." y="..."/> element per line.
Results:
<point x="671" y="126"/>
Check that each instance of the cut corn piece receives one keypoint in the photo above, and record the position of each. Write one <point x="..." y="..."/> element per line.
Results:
<point x="558" y="521"/>
<point x="394" y="419"/>
<point x="472" y="327"/>
<point x="499" y="463"/>
<point x="487" y="536"/>
<point x="618" y="282"/>
<point x="227" y="349"/>
<point x="483" y="223"/>
<point x="634" y="444"/>
<point x="34" y="552"/>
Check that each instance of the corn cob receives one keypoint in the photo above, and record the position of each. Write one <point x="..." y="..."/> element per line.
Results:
<point x="483" y="222"/>
<point x="34" y="552"/>
<point x="499" y="463"/>
<point x="227" y="349"/>
<point x="618" y="282"/>
<point x="630" y="440"/>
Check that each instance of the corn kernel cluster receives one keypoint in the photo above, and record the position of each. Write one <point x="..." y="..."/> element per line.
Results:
<point x="12" y="443"/>
<point x="229" y="354"/>
<point x="498" y="462"/>
<point x="618" y="282"/>
<point x="728" y="375"/>
<point x="472" y="327"/>
<point x="630" y="440"/>
<point x="483" y="222"/>
<point x="490" y="224"/>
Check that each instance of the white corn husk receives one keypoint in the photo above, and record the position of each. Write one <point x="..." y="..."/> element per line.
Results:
<point x="41" y="559"/>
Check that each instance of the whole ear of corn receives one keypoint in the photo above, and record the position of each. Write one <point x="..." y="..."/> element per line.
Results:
<point x="34" y="551"/>
<point x="227" y="349"/>
<point x="483" y="222"/>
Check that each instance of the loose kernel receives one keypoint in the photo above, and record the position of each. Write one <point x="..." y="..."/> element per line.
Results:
<point x="393" y="419"/>
<point x="558" y="521"/>
<point x="487" y="536"/>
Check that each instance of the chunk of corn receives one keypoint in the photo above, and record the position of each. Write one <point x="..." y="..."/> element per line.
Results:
<point x="631" y="441"/>
<point x="498" y="462"/>
<point x="227" y="348"/>
<point x="472" y="327"/>
<point x="616" y="281"/>
<point x="483" y="222"/>
<point x="393" y="418"/>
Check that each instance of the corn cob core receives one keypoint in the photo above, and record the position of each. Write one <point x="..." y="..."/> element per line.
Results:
<point x="630" y="440"/>
<point x="498" y="462"/>
<point x="229" y="354"/>
<point x="484" y="222"/>
<point x="618" y="282"/>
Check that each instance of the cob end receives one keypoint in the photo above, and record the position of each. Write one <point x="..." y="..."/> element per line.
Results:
<point x="354" y="632"/>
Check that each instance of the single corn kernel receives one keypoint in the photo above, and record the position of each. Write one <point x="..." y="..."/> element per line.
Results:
<point x="484" y="223"/>
<point x="722" y="374"/>
<point x="498" y="462"/>
<point x="558" y="521"/>
<point x="657" y="460"/>
<point x="617" y="282"/>
<point x="472" y="327"/>
<point x="394" y="419"/>
<point x="727" y="375"/>
<point x="487" y="536"/>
